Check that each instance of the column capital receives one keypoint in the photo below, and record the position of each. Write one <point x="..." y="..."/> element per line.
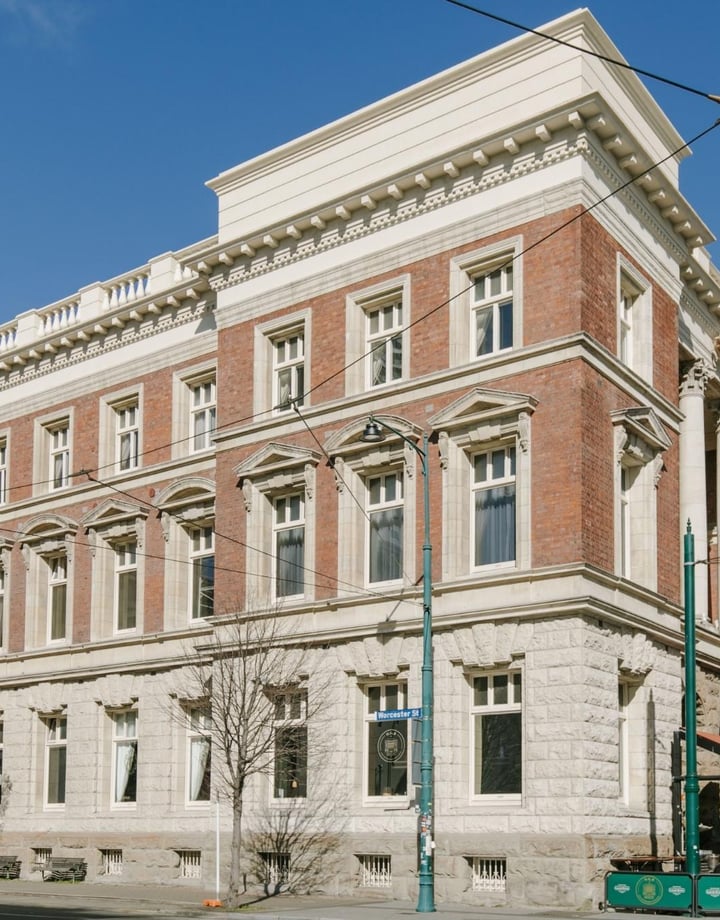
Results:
<point x="694" y="376"/>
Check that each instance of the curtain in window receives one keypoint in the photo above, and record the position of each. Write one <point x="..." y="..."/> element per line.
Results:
<point x="125" y="771"/>
<point x="290" y="562"/>
<point x="199" y="756"/>
<point x="386" y="544"/>
<point x="379" y="363"/>
<point x="495" y="525"/>
<point x="128" y="450"/>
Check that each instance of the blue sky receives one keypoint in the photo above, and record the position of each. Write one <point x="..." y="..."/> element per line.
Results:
<point x="116" y="112"/>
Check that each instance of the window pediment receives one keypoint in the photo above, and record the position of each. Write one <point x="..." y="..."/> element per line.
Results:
<point x="46" y="534"/>
<point x="349" y="441"/>
<point x="182" y="497"/>
<point x="112" y="512"/>
<point x="274" y="458"/>
<point x="482" y="406"/>
<point x="639" y="433"/>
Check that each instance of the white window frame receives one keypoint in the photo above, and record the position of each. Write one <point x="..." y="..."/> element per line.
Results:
<point x="639" y="444"/>
<point x="184" y="411"/>
<point x="203" y="410"/>
<point x="55" y="741"/>
<point x="479" y="421"/>
<point x="124" y="735"/>
<point x="633" y="744"/>
<point x="273" y="472"/>
<point x="2" y="747"/>
<point x="3" y="470"/>
<point x="127" y="431"/>
<point x="511" y="705"/>
<point x="57" y="574"/>
<point x="111" y="430"/>
<point x="380" y="506"/>
<point x="3" y="598"/>
<point x="112" y="523"/>
<point x="358" y="350"/>
<point x="507" y="478"/>
<point x="290" y="714"/>
<point x="464" y="303"/>
<point x="288" y="366"/>
<point x="201" y="543"/>
<point x="386" y="735"/>
<point x="59" y="470"/>
<point x="266" y="335"/>
<point x="199" y="739"/>
<point x="44" y="451"/>
<point x="634" y="319"/>
<point x="354" y="462"/>
<point x="292" y="507"/>
<point x="46" y="537"/>
<point x="125" y="557"/>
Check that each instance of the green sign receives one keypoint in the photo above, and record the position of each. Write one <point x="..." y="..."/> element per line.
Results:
<point x="649" y="890"/>
<point x="708" y="893"/>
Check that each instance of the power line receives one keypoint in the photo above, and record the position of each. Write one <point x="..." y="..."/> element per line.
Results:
<point x="597" y="54"/>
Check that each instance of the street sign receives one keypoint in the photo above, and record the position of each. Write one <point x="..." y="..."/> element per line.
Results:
<point x="394" y="715"/>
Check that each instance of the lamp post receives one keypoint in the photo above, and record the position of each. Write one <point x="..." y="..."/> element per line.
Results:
<point x="426" y="895"/>
<point x="692" y="786"/>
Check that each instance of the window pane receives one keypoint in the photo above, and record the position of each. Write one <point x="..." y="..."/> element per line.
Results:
<point x="290" y="562"/>
<point x="57" y="614"/>
<point x="56" y="774"/>
<point x="126" y="771"/>
<point x="200" y="770"/>
<point x="495" y="525"/>
<point x="500" y="689"/>
<point x="127" y="600"/>
<point x="484" y="332"/>
<point x="386" y="550"/>
<point x="387" y="758"/>
<point x="498" y="753"/>
<point x="506" y="325"/>
<point x="203" y="586"/>
<point x="290" y="762"/>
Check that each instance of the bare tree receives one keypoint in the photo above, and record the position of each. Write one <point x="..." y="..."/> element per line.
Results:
<point x="251" y="680"/>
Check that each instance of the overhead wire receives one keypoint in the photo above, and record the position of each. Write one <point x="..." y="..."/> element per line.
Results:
<point x="597" y="54"/>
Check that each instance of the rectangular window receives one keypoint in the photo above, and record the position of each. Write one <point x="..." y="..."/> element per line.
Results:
<point x="494" y="501"/>
<point x="112" y="862"/>
<point x="628" y="475"/>
<point x="56" y="761"/>
<point x="127" y="435"/>
<point x="290" y="746"/>
<point x="289" y="526"/>
<point x="623" y="746"/>
<point x="3" y="472"/>
<point x="489" y="873"/>
<point x="625" y="319"/>
<point x="289" y="370"/>
<point x="2" y="727"/>
<point x="275" y="867"/>
<point x="497" y="734"/>
<point x="492" y="308"/>
<point x="57" y="597"/>
<point x="199" y="754"/>
<point x="126" y="585"/>
<point x="375" y="870"/>
<point x="59" y="455"/>
<point x="387" y="748"/>
<point x="125" y="751"/>
<point x="202" y="558"/>
<point x="2" y="607"/>
<point x="384" y="343"/>
<point x="385" y="525"/>
<point x="190" y="863"/>
<point x="203" y="400"/>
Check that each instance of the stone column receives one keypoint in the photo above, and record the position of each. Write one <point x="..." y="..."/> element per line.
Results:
<point x="693" y="499"/>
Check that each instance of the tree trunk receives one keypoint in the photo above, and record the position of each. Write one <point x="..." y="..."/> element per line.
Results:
<point x="235" y="887"/>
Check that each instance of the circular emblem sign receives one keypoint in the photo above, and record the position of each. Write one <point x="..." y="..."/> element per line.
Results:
<point x="391" y="746"/>
<point x="649" y="889"/>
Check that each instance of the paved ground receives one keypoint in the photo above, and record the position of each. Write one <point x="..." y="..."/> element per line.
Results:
<point x="179" y="901"/>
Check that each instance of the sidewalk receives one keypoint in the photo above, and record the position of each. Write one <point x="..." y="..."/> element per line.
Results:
<point x="180" y="901"/>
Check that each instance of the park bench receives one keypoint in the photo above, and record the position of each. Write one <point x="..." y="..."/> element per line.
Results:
<point x="64" y="869"/>
<point x="9" y="867"/>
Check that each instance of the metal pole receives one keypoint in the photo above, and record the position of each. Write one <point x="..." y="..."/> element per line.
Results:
<point x="692" y="786"/>
<point x="426" y="895"/>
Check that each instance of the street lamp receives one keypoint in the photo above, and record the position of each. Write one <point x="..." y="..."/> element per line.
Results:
<point x="372" y="434"/>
